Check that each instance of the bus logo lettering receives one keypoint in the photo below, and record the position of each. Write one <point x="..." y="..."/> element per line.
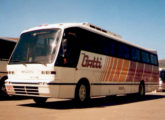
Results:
<point x="92" y="63"/>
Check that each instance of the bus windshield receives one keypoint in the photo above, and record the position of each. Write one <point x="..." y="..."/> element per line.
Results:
<point x="36" y="47"/>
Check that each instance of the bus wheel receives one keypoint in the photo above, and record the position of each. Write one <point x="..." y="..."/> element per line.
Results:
<point x="3" y="91"/>
<point x="82" y="93"/>
<point x="141" y="90"/>
<point x="39" y="100"/>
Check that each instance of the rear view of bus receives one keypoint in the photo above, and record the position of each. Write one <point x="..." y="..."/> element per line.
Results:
<point x="79" y="60"/>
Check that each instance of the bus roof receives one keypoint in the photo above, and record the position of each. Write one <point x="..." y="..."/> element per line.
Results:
<point x="91" y="28"/>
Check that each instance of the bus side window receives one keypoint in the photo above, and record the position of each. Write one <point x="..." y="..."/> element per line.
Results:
<point x="154" y="60"/>
<point x="145" y="57"/>
<point x="112" y="49"/>
<point x="105" y="46"/>
<point x="123" y="51"/>
<point x="8" y="47"/>
<point x="135" y="54"/>
<point x="69" y="50"/>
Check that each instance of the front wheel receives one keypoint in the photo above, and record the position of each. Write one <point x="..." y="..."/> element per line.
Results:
<point x="82" y="93"/>
<point x="40" y="100"/>
<point x="3" y="91"/>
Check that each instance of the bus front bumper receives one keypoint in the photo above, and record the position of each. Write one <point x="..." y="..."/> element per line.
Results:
<point x="31" y="89"/>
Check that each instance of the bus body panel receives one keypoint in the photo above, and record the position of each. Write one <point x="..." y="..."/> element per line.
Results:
<point x="30" y="80"/>
<point x="66" y="81"/>
<point x="59" y="84"/>
<point x="113" y="75"/>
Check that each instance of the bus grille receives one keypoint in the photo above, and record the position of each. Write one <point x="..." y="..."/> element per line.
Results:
<point x="26" y="90"/>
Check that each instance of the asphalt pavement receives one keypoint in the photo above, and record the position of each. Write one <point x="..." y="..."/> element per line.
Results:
<point x="111" y="108"/>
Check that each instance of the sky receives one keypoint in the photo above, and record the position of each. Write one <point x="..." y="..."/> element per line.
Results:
<point x="140" y="22"/>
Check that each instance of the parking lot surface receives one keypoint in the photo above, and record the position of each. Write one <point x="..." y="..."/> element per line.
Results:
<point x="152" y="107"/>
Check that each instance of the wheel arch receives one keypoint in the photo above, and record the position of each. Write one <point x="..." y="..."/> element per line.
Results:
<point x="2" y="80"/>
<point x="85" y="81"/>
<point x="2" y="86"/>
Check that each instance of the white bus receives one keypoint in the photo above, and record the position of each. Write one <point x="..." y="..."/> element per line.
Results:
<point x="6" y="47"/>
<point x="79" y="60"/>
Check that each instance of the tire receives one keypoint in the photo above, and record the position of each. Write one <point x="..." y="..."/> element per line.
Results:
<point x="141" y="92"/>
<point x="39" y="100"/>
<point x="3" y="91"/>
<point x="82" y="95"/>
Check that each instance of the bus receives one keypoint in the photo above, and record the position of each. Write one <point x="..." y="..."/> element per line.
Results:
<point x="79" y="61"/>
<point x="6" y="47"/>
<point x="162" y="79"/>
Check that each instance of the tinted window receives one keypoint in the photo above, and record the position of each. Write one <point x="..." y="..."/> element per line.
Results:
<point x="93" y="42"/>
<point x="109" y="47"/>
<point x="90" y="41"/>
<point x="154" y="60"/>
<point x="135" y="54"/>
<point x="123" y="51"/>
<point x="112" y="48"/>
<point x="70" y="48"/>
<point x="6" y="48"/>
<point x="145" y="57"/>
